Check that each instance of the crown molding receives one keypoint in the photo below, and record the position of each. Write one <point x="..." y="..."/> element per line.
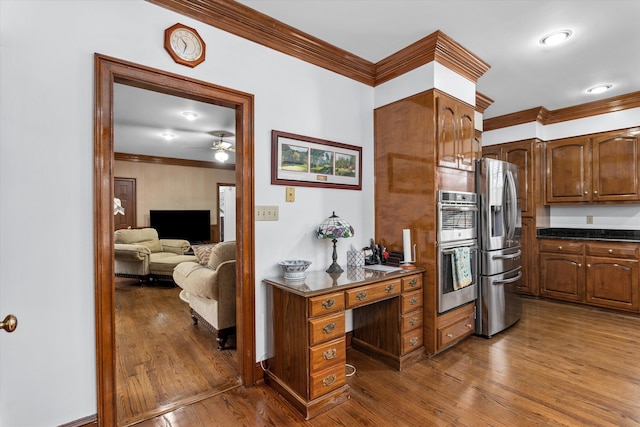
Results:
<point x="238" y="19"/>
<point x="250" y="24"/>
<point x="141" y="158"/>
<point x="435" y="47"/>
<point x="482" y="102"/>
<point x="546" y="117"/>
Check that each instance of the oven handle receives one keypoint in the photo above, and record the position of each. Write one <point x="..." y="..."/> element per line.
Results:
<point x="507" y="281"/>
<point x="459" y="208"/>
<point x="510" y="256"/>
<point x="450" y="251"/>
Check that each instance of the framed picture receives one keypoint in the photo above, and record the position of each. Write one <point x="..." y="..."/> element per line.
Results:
<point x="312" y="162"/>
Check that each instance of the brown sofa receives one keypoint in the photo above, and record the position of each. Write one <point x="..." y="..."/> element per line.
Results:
<point x="211" y="289"/>
<point x="139" y="253"/>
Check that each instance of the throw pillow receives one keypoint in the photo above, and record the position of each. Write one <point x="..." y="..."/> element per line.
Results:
<point x="202" y="252"/>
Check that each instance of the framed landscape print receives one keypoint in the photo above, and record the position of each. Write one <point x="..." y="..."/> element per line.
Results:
<point x="312" y="162"/>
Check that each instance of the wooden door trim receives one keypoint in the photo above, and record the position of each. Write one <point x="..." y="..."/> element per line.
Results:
<point x="108" y="71"/>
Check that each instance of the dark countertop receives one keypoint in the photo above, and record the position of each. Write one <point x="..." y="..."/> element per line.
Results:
<point x="589" y="234"/>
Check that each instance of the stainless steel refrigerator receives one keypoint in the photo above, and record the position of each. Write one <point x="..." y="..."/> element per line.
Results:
<point x="498" y="306"/>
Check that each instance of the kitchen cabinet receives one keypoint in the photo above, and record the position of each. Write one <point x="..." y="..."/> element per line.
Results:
<point x="457" y="144"/>
<point x="604" y="274"/>
<point x="599" y="168"/>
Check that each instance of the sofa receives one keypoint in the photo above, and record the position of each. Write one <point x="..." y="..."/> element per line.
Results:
<point x="139" y="253"/>
<point x="210" y="288"/>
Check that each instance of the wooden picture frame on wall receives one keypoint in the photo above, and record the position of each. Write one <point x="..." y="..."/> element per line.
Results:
<point x="312" y="162"/>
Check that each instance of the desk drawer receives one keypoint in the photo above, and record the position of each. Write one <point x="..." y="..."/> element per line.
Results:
<point x="326" y="328"/>
<point x="412" y="283"/>
<point x="325" y="304"/>
<point x="412" y="321"/>
<point x="328" y="355"/>
<point x="412" y="341"/>
<point x="411" y="301"/>
<point x="368" y="294"/>
<point x="327" y="380"/>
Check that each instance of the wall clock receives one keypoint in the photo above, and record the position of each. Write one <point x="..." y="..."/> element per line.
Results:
<point x="184" y="44"/>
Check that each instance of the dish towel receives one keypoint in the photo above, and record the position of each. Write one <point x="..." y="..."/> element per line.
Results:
<point x="461" y="268"/>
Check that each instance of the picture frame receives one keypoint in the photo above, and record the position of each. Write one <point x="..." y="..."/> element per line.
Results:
<point x="313" y="162"/>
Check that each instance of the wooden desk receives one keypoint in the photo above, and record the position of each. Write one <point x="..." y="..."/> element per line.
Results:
<point x="308" y="366"/>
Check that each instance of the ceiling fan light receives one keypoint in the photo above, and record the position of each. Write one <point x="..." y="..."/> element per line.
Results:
<point x="190" y="115"/>
<point x="221" y="155"/>
<point x="555" y="37"/>
<point x="595" y="90"/>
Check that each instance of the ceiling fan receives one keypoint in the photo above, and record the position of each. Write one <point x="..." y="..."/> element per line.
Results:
<point x="221" y="146"/>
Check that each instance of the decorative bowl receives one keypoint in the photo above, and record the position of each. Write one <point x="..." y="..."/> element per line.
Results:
<point x="294" y="268"/>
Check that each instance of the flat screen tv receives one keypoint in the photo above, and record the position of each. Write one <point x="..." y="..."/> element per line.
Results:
<point x="191" y="225"/>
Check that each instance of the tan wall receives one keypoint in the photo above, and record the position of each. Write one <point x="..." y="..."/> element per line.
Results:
<point x="173" y="187"/>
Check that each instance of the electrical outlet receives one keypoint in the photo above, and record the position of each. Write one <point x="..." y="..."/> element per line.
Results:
<point x="589" y="219"/>
<point x="266" y="213"/>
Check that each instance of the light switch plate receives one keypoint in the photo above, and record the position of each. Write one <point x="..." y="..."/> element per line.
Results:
<point x="266" y="213"/>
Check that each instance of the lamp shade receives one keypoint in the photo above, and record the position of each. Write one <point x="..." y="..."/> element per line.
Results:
<point x="334" y="227"/>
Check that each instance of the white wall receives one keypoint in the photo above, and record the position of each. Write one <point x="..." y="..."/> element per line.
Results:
<point x="46" y="178"/>
<point x="620" y="217"/>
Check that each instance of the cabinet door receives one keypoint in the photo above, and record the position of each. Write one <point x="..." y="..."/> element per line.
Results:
<point x="568" y="171"/>
<point x="520" y="154"/>
<point x="492" y="152"/>
<point x="468" y="145"/>
<point x="447" y="130"/>
<point x="616" y="167"/>
<point x="612" y="282"/>
<point x="562" y="276"/>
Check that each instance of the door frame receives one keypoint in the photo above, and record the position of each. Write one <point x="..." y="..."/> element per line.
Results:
<point x="108" y="71"/>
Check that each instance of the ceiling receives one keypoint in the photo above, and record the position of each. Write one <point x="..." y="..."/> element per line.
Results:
<point x="604" y="48"/>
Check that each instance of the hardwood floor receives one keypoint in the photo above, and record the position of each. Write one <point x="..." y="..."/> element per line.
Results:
<point x="163" y="361"/>
<point x="562" y="364"/>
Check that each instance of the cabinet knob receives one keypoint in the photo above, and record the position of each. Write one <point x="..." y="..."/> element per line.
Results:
<point x="610" y="251"/>
<point x="560" y="247"/>
<point x="586" y="192"/>
<point x="595" y="192"/>
<point x="589" y="265"/>
<point x="579" y="265"/>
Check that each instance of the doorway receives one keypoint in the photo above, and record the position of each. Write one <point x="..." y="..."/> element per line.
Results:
<point x="107" y="72"/>
<point x="124" y="190"/>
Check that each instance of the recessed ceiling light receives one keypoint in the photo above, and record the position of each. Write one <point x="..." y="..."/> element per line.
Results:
<point x="599" y="89"/>
<point x="190" y="115"/>
<point x="555" y="37"/>
<point x="167" y="135"/>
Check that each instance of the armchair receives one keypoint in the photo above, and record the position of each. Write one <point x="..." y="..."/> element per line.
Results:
<point x="139" y="253"/>
<point x="211" y="290"/>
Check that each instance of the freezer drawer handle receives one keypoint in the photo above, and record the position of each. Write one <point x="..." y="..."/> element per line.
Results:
<point x="512" y="280"/>
<point x="511" y="256"/>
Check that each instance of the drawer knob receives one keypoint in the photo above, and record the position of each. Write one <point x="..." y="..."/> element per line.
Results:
<point x="450" y="335"/>
<point x="361" y="296"/>
<point x="413" y="301"/>
<point x="586" y="192"/>
<point x="610" y="251"/>
<point x="327" y="304"/>
<point x="413" y="321"/>
<point x="469" y="325"/>
<point x="390" y="288"/>
<point x="595" y="192"/>
<point x="329" y="380"/>
<point x="560" y="247"/>
<point x="589" y="265"/>
<point x="413" y="341"/>
<point x="329" y="328"/>
<point x="413" y="282"/>
<point x="329" y="354"/>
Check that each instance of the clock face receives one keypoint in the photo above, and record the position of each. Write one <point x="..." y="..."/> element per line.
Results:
<point x="185" y="45"/>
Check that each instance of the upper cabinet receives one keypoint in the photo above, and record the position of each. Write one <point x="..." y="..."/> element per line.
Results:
<point x="598" y="168"/>
<point x="458" y="147"/>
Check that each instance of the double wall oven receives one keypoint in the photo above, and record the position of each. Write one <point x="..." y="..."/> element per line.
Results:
<point x="457" y="229"/>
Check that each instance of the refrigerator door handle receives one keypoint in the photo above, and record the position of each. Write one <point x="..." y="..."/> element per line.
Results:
<point x="510" y="256"/>
<point x="507" y="281"/>
<point x="512" y="202"/>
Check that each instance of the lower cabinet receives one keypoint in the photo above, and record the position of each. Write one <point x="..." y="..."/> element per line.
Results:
<point x="604" y="274"/>
<point x="455" y="325"/>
